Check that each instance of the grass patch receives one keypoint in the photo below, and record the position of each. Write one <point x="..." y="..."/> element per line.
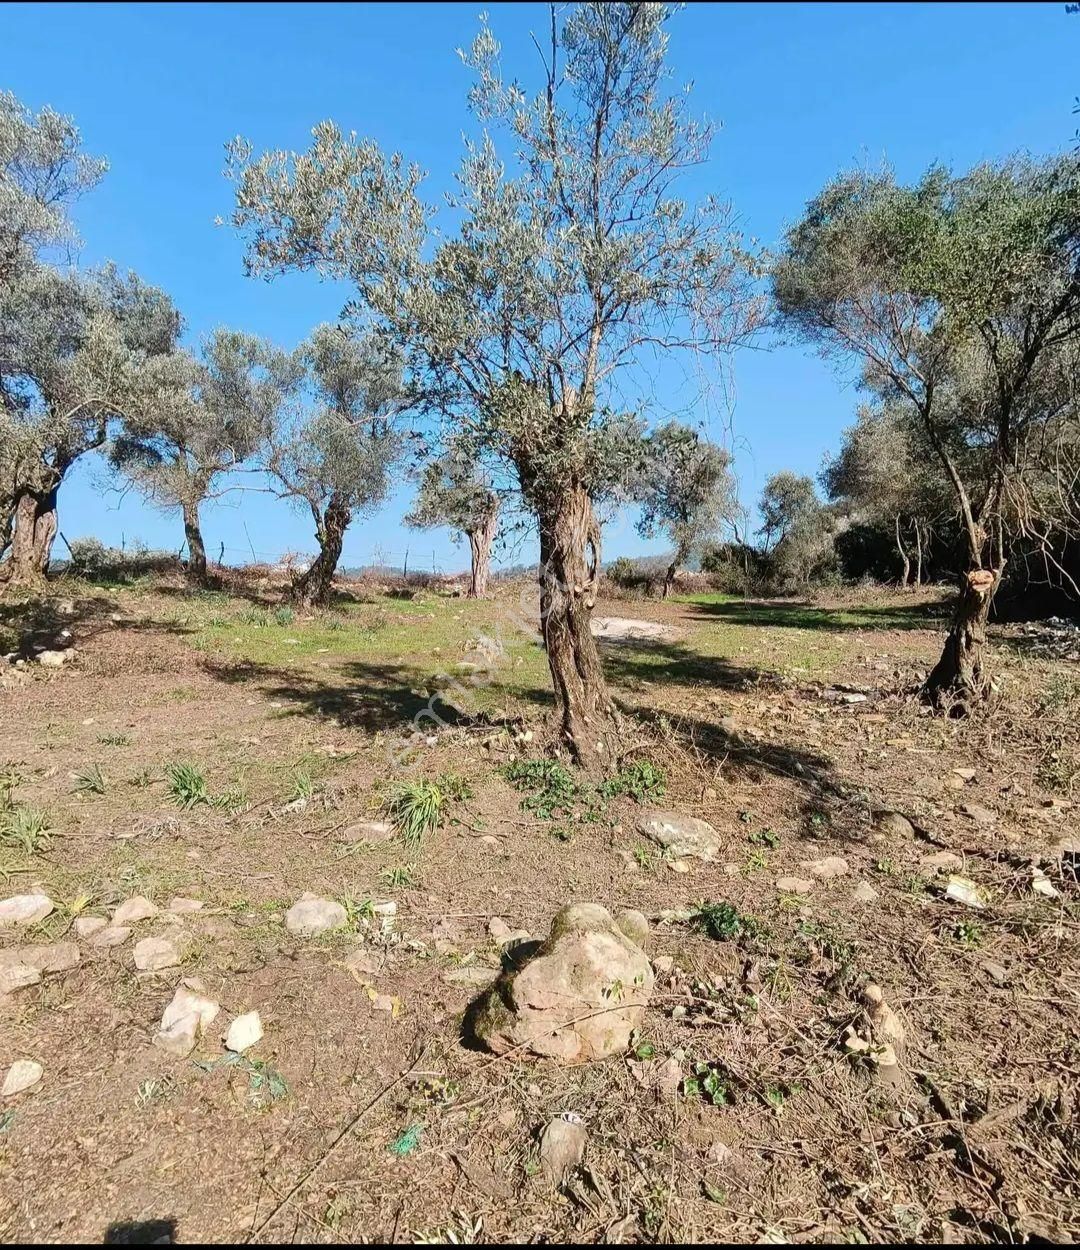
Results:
<point x="416" y="808"/>
<point x="90" y="780"/>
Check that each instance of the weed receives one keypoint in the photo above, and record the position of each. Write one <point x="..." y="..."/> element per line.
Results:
<point x="157" y="1089"/>
<point x="463" y="1230"/>
<point x="284" y="615"/>
<point x="756" y="861"/>
<point x="968" y="934"/>
<point x="142" y="779"/>
<point x="551" y="790"/>
<point x="455" y="787"/>
<point x="644" y="857"/>
<point x="641" y="780"/>
<point x="23" y="828"/>
<point x="416" y="808"/>
<point x="303" y="788"/>
<point x="885" y="866"/>
<point x="338" y="1208"/>
<point x="399" y="877"/>
<point x="114" y="740"/>
<point x="764" y="837"/>
<point x="562" y="833"/>
<point x="357" y="911"/>
<point x="710" y="1081"/>
<point x="187" y="785"/>
<point x="725" y="923"/>
<point x="232" y="800"/>
<point x="831" y="945"/>
<point x="90" y="780"/>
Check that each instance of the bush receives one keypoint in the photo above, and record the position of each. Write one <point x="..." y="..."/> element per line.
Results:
<point x="633" y="579"/>
<point x="90" y="558"/>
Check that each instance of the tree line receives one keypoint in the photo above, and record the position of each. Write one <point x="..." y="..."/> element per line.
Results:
<point x="488" y="330"/>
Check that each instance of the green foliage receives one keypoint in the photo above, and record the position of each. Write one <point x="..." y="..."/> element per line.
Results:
<point x="710" y="1082"/>
<point x="416" y="808"/>
<point x="725" y="923"/>
<point x="641" y="780"/>
<point x="186" y="785"/>
<point x="284" y="615"/>
<point x="90" y="780"/>
<point x="23" y="828"/>
<point x="551" y="789"/>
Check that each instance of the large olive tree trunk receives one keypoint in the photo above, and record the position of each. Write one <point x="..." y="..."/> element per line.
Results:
<point x="312" y="588"/>
<point x="195" y="545"/>
<point x="959" y="678"/>
<point x="35" y="527"/>
<point x="569" y="567"/>
<point x="902" y="550"/>
<point x="480" y="541"/>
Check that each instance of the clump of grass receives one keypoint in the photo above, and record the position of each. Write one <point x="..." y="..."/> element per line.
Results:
<point x="416" y="808"/>
<point x="23" y="828"/>
<point x="399" y="877"/>
<point x="284" y="615"/>
<point x="186" y="785"/>
<point x="303" y="787"/>
<point x="551" y="790"/>
<point x="232" y="800"/>
<point x="90" y="780"/>
<point x="114" y="740"/>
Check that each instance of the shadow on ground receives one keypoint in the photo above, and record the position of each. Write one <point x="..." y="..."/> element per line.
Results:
<point x="653" y="660"/>
<point x="802" y="614"/>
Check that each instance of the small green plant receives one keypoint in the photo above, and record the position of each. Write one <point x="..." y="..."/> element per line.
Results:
<point x="764" y="837"/>
<point x="142" y="779"/>
<point x="90" y="780"/>
<point x="337" y="1209"/>
<point x="725" y="923"/>
<point x="114" y="740"/>
<point x="456" y="787"/>
<point x="284" y="615"/>
<point x="968" y="934"/>
<point x="303" y="788"/>
<point x="551" y="790"/>
<point x="641" y="780"/>
<point x="644" y="857"/>
<point x="23" y="828"/>
<point x="266" y="1085"/>
<point x="562" y="832"/>
<point x="399" y="877"/>
<point x="710" y="1081"/>
<point x="885" y="866"/>
<point x="232" y="800"/>
<point x="756" y="861"/>
<point x="416" y="808"/>
<point x="186" y="785"/>
<point x="358" y="911"/>
<point x="155" y="1090"/>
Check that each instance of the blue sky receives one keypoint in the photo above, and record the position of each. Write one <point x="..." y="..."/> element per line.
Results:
<point x="800" y="91"/>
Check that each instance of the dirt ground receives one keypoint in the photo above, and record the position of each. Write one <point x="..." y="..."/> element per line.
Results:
<point x="363" y="1114"/>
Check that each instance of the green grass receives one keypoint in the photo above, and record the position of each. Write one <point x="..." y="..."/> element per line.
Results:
<point x="90" y="780"/>
<point x="416" y="808"/>
<point x="23" y="828"/>
<point x="186" y="785"/>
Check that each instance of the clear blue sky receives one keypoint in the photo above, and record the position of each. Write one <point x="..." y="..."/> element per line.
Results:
<point x="800" y="90"/>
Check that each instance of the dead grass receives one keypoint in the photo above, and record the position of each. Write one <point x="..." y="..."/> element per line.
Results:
<point x="371" y="1124"/>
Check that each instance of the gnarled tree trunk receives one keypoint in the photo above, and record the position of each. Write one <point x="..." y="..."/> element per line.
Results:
<point x="312" y="588"/>
<point x="918" y="555"/>
<point x="32" y="537"/>
<point x="195" y="545"/>
<point x="669" y="578"/>
<point x="569" y="567"/>
<point x="480" y="541"/>
<point x="959" y="679"/>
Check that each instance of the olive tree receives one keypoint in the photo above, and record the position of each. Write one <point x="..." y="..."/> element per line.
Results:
<point x="797" y="529"/>
<point x="454" y="491"/>
<point x="687" y="493"/>
<point x="569" y="255"/>
<point x="210" y="415"/>
<point x="77" y="352"/>
<point x="334" y="454"/>
<point x="881" y="476"/>
<point x="950" y="294"/>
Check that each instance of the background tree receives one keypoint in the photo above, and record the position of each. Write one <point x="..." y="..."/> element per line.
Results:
<point x="560" y="272"/>
<point x="787" y="500"/>
<point x="687" y="494"/>
<point x="881" y="477"/>
<point x="950" y="294"/>
<point x="75" y="354"/>
<point x="798" y="530"/>
<point x="209" y="417"/>
<point x="334" y="457"/>
<point x="454" y="491"/>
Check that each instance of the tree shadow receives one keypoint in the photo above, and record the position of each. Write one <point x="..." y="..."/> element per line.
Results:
<point x="803" y="614"/>
<point x="37" y="623"/>
<point x="630" y="662"/>
<point x="373" y="696"/>
<point x="141" y="1233"/>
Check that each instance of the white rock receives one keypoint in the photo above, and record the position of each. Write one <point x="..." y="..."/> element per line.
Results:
<point x="244" y="1032"/>
<point x="179" y="1038"/>
<point x="133" y="910"/>
<point x="112" y="936"/>
<point x="189" y="1000"/>
<point x="1042" y="884"/>
<point x="154" y="954"/>
<point x="87" y="926"/>
<point x="682" y="836"/>
<point x="794" y="885"/>
<point x="53" y="659"/>
<point x="562" y="1148"/>
<point x="961" y="890"/>
<point x="313" y="915"/>
<point x="55" y="957"/>
<point x="25" y="909"/>
<point x="864" y="892"/>
<point x="22" y="1075"/>
<point x="827" y="869"/>
<point x="183" y="906"/>
<point x="369" y="831"/>
<point x="17" y="977"/>
<point x="942" y="860"/>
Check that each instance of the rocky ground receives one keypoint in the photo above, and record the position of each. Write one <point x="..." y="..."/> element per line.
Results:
<point x="804" y="969"/>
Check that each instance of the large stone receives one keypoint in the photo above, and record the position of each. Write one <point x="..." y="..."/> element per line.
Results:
<point x="827" y="869"/>
<point x="188" y="1014"/>
<point x="87" y="926"/>
<point x="368" y="831"/>
<point x="54" y="659"/>
<point x="578" y="996"/>
<point x="894" y="824"/>
<point x="313" y="915"/>
<point x="25" y="909"/>
<point x="155" y="954"/>
<point x="23" y="1074"/>
<point x="244" y="1032"/>
<point x="114" y="935"/>
<point x="56" y="957"/>
<point x="132" y="910"/>
<point x="17" y="977"/>
<point x="680" y="835"/>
